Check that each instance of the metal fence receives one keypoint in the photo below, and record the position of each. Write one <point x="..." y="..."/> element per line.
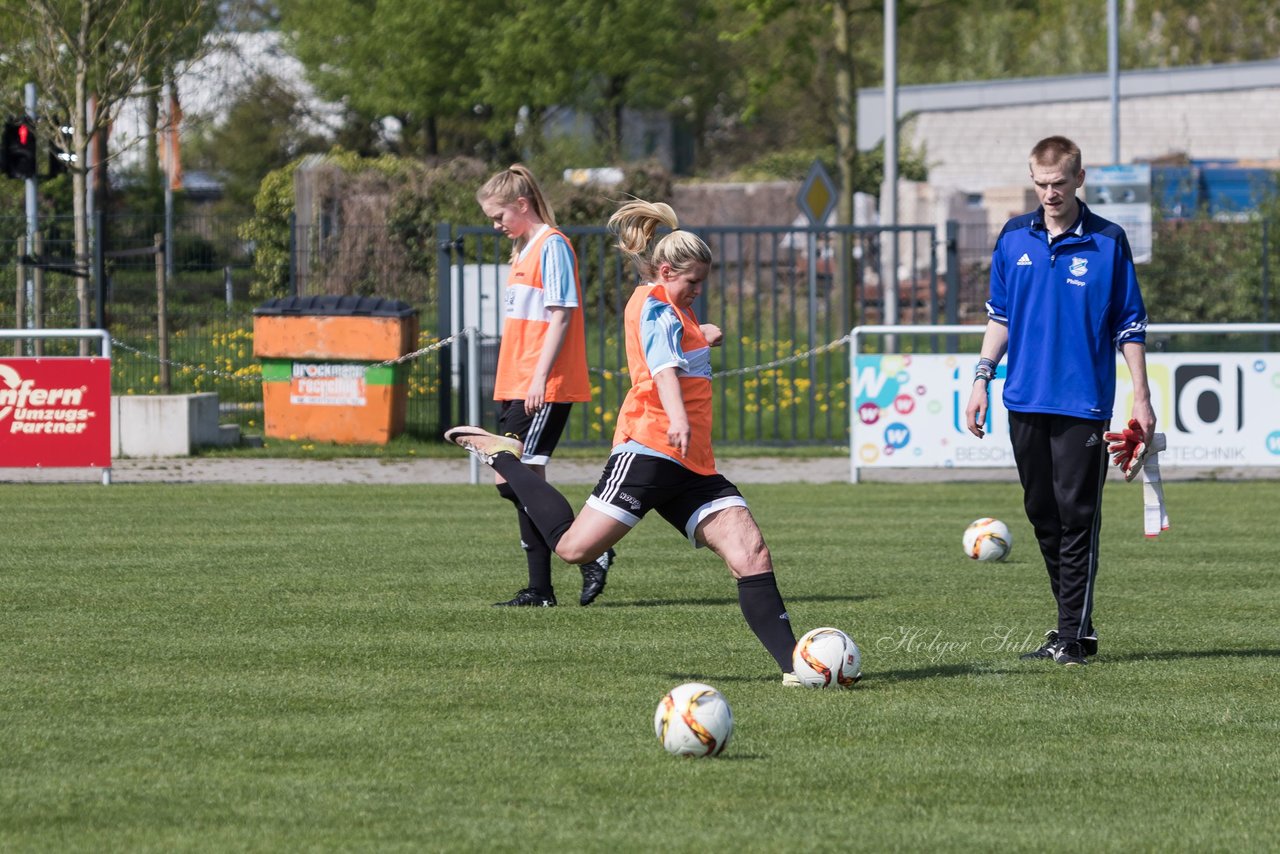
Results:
<point x="785" y="298"/>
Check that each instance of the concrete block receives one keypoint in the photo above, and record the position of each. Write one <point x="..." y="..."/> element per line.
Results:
<point x="164" y="425"/>
<point x="203" y="419"/>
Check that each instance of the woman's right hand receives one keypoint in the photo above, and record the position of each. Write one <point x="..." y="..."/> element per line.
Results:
<point x="678" y="434"/>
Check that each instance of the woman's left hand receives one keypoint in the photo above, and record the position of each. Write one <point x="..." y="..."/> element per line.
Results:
<point x="712" y="333"/>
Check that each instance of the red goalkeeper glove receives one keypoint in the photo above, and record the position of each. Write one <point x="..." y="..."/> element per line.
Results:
<point x="1128" y="449"/>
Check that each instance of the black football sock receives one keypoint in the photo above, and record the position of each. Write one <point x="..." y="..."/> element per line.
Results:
<point x="550" y="511"/>
<point x="761" y="604"/>
<point x="536" y="552"/>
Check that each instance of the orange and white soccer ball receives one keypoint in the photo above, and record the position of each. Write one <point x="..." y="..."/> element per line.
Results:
<point x="693" y="719"/>
<point x="987" y="539"/>
<point x="827" y="658"/>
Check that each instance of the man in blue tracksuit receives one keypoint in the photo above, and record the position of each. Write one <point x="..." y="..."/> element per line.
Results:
<point x="1064" y="299"/>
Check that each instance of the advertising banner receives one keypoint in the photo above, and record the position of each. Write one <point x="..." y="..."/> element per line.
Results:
<point x="327" y="385"/>
<point x="55" y="412"/>
<point x="1216" y="409"/>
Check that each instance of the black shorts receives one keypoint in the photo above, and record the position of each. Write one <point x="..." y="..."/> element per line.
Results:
<point x="633" y="484"/>
<point x="540" y="431"/>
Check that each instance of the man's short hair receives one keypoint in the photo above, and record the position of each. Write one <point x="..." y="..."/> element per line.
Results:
<point x="1056" y="150"/>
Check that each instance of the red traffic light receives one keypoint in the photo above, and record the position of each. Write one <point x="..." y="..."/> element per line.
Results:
<point x="18" y="149"/>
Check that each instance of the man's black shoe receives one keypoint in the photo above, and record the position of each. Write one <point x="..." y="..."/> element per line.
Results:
<point x="594" y="576"/>
<point x="529" y="598"/>
<point x="1070" y="653"/>
<point x="1046" y="648"/>
<point x="1089" y="645"/>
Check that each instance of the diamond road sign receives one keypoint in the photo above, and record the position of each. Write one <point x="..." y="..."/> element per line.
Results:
<point x="817" y="195"/>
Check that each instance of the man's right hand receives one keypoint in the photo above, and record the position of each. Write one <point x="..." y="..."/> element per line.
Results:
<point x="975" y="414"/>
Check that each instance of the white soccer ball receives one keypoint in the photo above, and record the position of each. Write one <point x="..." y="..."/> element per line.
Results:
<point x="987" y="539"/>
<point x="693" y="720"/>
<point x="827" y="658"/>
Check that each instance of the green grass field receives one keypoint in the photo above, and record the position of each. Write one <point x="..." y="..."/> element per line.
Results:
<point x="211" y="668"/>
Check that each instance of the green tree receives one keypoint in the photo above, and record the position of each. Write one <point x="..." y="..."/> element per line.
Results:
<point x="264" y="129"/>
<point x="415" y="60"/>
<point x="455" y="71"/>
<point x="807" y="65"/>
<point x="104" y="50"/>
<point x="1164" y="33"/>
<point x="954" y="40"/>
<point x="599" y="58"/>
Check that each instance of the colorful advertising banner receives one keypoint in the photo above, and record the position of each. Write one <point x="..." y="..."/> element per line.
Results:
<point x="1216" y="409"/>
<point x="55" y="412"/>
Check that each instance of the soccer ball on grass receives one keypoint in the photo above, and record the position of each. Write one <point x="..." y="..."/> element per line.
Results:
<point x="693" y="719"/>
<point x="827" y="658"/>
<point x="987" y="539"/>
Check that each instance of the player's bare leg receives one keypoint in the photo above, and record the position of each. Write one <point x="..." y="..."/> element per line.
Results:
<point x="734" y="535"/>
<point x="592" y="533"/>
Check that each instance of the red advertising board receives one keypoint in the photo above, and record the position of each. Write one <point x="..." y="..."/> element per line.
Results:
<point x="55" y="412"/>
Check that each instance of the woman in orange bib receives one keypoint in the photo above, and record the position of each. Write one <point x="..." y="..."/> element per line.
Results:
<point x="662" y="457"/>
<point x="542" y="360"/>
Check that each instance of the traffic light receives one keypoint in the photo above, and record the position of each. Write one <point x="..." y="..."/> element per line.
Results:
<point x="19" y="148"/>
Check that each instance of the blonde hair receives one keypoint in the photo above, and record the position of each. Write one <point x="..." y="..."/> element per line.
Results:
<point x="514" y="183"/>
<point x="1056" y="150"/>
<point x="636" y="223"/>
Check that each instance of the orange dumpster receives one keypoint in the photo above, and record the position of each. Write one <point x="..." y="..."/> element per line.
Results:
<point x="324" y="371"/>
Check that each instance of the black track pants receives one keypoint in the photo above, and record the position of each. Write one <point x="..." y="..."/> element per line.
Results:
<point x="1062" y="464"/>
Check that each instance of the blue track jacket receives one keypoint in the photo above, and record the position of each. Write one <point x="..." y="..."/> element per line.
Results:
<point x="1068" y="306"/>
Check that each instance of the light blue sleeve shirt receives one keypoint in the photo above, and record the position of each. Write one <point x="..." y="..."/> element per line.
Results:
<point x="661" y="334"/>
<point x="558" y="286"/>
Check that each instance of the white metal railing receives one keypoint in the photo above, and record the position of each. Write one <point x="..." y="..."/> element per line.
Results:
<point x="103" y="335"/>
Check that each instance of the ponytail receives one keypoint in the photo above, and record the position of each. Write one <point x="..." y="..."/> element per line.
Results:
<point x="637" y="222"/>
